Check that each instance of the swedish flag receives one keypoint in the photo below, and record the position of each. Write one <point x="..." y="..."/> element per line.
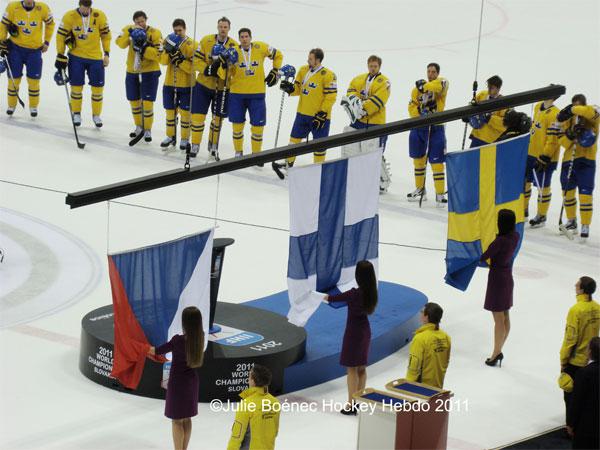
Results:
<point x="481" y="182"/>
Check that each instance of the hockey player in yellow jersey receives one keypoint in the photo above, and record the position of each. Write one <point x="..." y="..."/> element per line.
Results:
<point x="542" y="158"/>
<point x="428" y="143"/>
<point x="86" y="33"/>
<point x="178" y="52"/>
<point x="365" y="102"/>
<point x="490" y="126"/>
<point x="144" y="44"/>
<point x="25" y="34"/>
<point x="429" y="353"/>
<point x="580" y="123"/>
<point x="248" y="89"/>
<point x="211" y="60"/>
<point x="317" y="88"/>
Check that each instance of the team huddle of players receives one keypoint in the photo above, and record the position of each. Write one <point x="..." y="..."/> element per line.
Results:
<point x="229" y="78"/>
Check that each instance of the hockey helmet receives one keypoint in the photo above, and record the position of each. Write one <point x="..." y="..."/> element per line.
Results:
<point x="58" y="78"/>
<point x="479" y="120"/>
<point x="517" y="122"/>
<point x="287" y="71"/>
<point x="586" y="137"/>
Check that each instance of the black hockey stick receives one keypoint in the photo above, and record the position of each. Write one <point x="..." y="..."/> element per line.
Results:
<point x="425" y="173"/>
<point x="12" y="80"/>
<point x="140" y="135"/>
<point x="80" y="145"/>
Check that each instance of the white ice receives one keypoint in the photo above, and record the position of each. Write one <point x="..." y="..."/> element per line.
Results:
<point x="45" y="401"/>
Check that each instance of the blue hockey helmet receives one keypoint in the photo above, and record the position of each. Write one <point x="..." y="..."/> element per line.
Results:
<point x="58" y="78"/>
<point x="287" y="71"/>
<point x="138" y="36"/>
<point x="172" y="42"/>
<point x="478" y="121"/>
<point x="586" y="138"/>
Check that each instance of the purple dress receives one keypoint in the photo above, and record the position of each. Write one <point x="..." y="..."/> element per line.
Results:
<point x="499" y="293"/>
<point x="357" y="336"/>
<point x="183" y="385"/>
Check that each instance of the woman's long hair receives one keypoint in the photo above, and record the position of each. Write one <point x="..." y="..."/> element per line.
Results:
<point x="191" y="322"/>
<point x="506" y="221"/>
<point x="367" y="282"/>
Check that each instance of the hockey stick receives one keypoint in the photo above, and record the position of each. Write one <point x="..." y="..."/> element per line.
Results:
<point x="12" y="80"/>
<point x="80" y="145"/>
<point x="425" y="173"/>
<point x="140" y="135"/>
<point x="218" y="117"/>
<point x="274" y="165"/>
<point x="561" y="227"/>
<point x="474" y="99"/>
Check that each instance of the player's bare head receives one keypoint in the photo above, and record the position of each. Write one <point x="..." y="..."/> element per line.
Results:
<point x="315" y="57"/>
<point x="85" y="6"/>
<point x="433" y="71"/>
<point x="223" y="27"/>
<point x="374" y="64"/>
<point x="579" y="99"/>
<point x="140" y="18"/>
<point x="585" y="285"/>
<point x="179" y="27"/>
<point x="432" y="312"/>
<point x="494" y="85"/>
<point x="245" y="36"/>
<point x="260" y="376"/>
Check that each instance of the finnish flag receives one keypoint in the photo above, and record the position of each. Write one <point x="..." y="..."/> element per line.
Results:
<point x="333" y="225"/>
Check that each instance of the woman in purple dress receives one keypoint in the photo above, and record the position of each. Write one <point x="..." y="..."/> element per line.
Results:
<point x="499" y="293"/>
<point x="183" y="384"/>
<point x="357" y="336"/>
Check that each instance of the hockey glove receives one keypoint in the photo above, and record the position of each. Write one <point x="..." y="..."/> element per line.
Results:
<point x="177" y="58"/>
<point x="419" y="84"/>
<point x="287" y="86"/>
<point x="319" y="119"/>
<point x="271" y="78"/>
<point x="3" y="49"/>
<point x="212" y="69"/>
<point x="570" y="134"/>
<point x="61" y="62"/>
<point x="565" y="113"/>
<point x="542" y="163"/>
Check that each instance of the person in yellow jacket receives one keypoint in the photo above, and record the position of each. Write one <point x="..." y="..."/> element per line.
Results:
<point x="25" y="33"/>
<point x="583" y="323"/>
<point x="428" y="143"/>
<point x="317" y="88"/>
<point x="429" y="353"/>
<point x="490" y="126"/>
<point x="257" y="418"/>
<point x="248" y="89"/>
<point x="177" y="55"/>
<point x="542" y="158"/>
<point x="580" y="140"/>
<point x="144" y="45"/>
<point x="86" y="33"/>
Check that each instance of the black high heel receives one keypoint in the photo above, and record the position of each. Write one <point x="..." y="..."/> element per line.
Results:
<point x="350" y="412"/>
<point x="498" y="359"/>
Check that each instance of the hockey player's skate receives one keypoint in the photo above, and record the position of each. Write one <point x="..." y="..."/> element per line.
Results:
<point x="184" y="144"/>
<point x="135" y="132"/>
<point x="585" y="232"/>
<point x="238" y="155"/>
<point x="168" y="143"/>
<point x="385" y="178"/>
<point x="415" y="196"/>
<point x="281" y="169"/>
<point x="97" y="121"/>
<point x="77" y="119"/>
<point x="570" y="229"/>
<point x="10" y="110"/>
<point x="148" y="136"/>
<point x="33" y="112"/>
<point x="194" y="150"/>
<point x="538" y="221"/>
<point x="440" y="200"/>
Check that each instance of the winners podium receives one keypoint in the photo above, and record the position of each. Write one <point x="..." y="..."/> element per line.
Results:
<point x="408" y="415"/>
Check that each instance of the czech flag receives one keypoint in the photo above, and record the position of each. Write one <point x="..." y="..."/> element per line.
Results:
<point x="481" y="182"/>
<point x="150" y="288"/>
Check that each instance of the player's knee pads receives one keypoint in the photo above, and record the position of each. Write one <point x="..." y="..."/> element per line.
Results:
<point x="420" y="163"/>
<point x="257" y="138"/>
<point x="33" y="87"/>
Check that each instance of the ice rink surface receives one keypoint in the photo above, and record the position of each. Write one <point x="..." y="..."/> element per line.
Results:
<point x="54" y="270"/>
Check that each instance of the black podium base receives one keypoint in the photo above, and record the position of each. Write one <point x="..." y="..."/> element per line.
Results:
<point x="249" y="336"/>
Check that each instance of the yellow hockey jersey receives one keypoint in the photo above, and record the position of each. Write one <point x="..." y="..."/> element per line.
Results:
<point x="429" y="356"/>
<point x="256" y="419"/>
<point x="152" y="53"/>
<point x="432" y="99"/>
<point x="374" y="92"/>
<point x="203" y="57"/>
<point x="248" y="75"/>
<point x="545" y="132"/>
<point x="495" y="127"/>
<point x="29" y="24"/>
<point x="583" y="323"/>
<point x="180" y="76"/>
<point x="91" y="34"/>
<point x="317" y="89"/>
<point x="589" y="116"/>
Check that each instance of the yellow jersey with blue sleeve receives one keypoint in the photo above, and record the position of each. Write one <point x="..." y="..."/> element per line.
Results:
<point x="28" y="27"/>
<point x="587" y="116"/>
<point x="429" y="356"/>
<point x="151" y="57"/>
<point x="203" y="57"/>
<point x="545" y="132"/>
<point x="583" y="323"/>
<point x="248" y="74"/>
<point x="492" y="130"/>
<point x="432" y="99"/>
<point x="374" y="91"/>
<point x="317" y="89"/>
<point x="90" y="34"/>
<point x="180" y="76"/>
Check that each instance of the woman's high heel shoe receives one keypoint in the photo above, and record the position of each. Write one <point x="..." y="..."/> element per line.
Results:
<point x="498" y="359"/>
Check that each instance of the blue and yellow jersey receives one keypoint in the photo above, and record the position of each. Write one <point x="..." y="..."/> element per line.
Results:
<point x="317" y="89"/>
<point x="29" y="23"/>
<point x="180" y="76"/>
<point x="248" y="75"/>
<point x="545" y="132"/>
<point x="151" y="55"/>
<point x="374" y="92"/>
<point x="429" y="356"/>
<point x="589" y="117"/>
<point x="91" y="34"/>
<point x="583" y="323"/>
<point x="203" y="58"/>
<point x="495" y="127"/>
<point x="432" y="99"/>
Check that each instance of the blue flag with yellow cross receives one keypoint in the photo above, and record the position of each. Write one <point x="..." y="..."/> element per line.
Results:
<point x="481" y="182"/>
